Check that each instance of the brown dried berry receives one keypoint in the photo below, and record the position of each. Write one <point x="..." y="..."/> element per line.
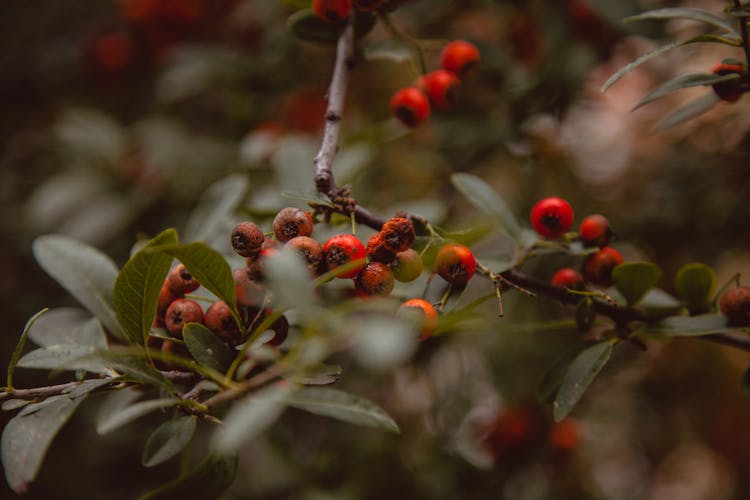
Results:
<point x="377" y="250"/>
<point x="247" y="239"/>
<point x="219" y="319"/>
<point x="182" y="311"/>
<point x="375" y="279"/>
<point x="166" y="297"/>
<point x="180" y="281"/>
<point x="291" y="222"/>
<point x="310" y="250"/>
<point x="398" y="234"/>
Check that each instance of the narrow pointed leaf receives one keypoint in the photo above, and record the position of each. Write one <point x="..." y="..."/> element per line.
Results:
<point x="634" y="279"/>
<point x="85" y="272"/>
<point x="699" y="15"/>
<point x="207" y="349"/>
<point x="485" y="198"/>
<point x="582" y="371"/>
<point x="137" y="287"/>
<point x="168" y="440"/>
<point x="19" y="347"/>
<point x="214" y="475"/>
<point x="114" y="420"/>
<point x="342" y="406"/>
<point x="690" y="110"/>
<point x="682" y="82"/>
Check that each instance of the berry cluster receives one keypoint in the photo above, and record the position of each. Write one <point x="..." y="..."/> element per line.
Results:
<point x="438" y="89"/>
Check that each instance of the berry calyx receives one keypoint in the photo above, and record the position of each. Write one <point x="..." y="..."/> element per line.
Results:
<point x="410" y="106"/>
<point x="595" y="231"/>
<point x="342" y="249"/>
<point x="552" y="217"/>
<point x="735" y="305"/>
<point x="407" y="266"/>
<point x="180" y="281"/>
<point x="568" y="278"/>
<point x="378" y="251"/>
<point x="182" y="311"/>
<point x="376" y="279"/>
<point x="455" y="263"/>
<point x="310" y="250"/>
<point x="597" y="267"/>
<point x="459" y="57"/>
<point x="247" y="239"/>
<point x="219" y="319"/>
<point x="291" y="222"/>
<point x="332" y="11"/>
<point x="428" y="320"/>
<point x="731" y="90"/>
<point x="441" y="87"/>
<point x="398" y="234"/>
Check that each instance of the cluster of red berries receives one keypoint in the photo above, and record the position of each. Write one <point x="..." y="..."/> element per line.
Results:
<point x="553" y="217"/>
<point x="336" y="11"/>
<point x="439" y="89"/>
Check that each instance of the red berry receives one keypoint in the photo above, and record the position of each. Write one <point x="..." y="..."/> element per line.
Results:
<point x="378" y="251"/>
<point x="564" y="436"/>
<point x="441" y="87"/>
<point x="398" y="234"/>
<point x="375" y="279"/>
<point x="342" y="249"/>
<point x="332" y="11"/>
<point x="568" y="278"/>
<point x="291" y="222"/>
<point x="249" y="292"/>
<point x="166" y="297"/>
<point x="552" y="217"/>
<point x="247" y="239"/>
<point x="182" y="311"/>
<point x="410" y="106"/>
<point x="113" y="51"/>
<point x="407" y="266"/>
<point x="428" y="318"/>
<point x="180" y="281"/>
<point x="219" y="319"/>
<point x="731" y="90"/>
<point x="597" y="267"/>
<point x="455" y="264"/>
<point x="595" y="231"/>
<point x="459" y="57"/>
<point x="735" y="305"/>
<point x="310" y="250"/>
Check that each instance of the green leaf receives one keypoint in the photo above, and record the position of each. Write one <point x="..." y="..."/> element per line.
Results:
<point x="584" y="369"/>
<point x="634" y="279"/>
<point x="208" y="480"/>
<point x="657" y="303"/>
<point x="215" y="206"/>
<point x="209" y="268"/>
<point x="690" y="326"/>
<point x="19" y="347"/>
<point x="694" y="284"/>
<point x="168" y="440"/>
<point x="131" y="364"/>
<point x="484" y="198"/>
<point x="306" y="25"/>
<point x="660" y="50"/>
<point x="388" y="50"/>
<point x="685" y="81"/>
<point x="690" y="110"/>
<point x="552" y="379"/>
<point x="207" y="349"/>
<point x="63" y="357"/>
<point x="342" y="406"/>
<point x="319" y="374"/>
<point x="70" y="326"/>
<point x="86" y="273"/>
<point x="699" y="15"/>
<point x="28" y="435"/>
<point x="289" y="281"/>
<point x="137" y="287"/>
<point x="251" y="416"/>
<point x="113" y="420"/>
<point x="585" y="314"/>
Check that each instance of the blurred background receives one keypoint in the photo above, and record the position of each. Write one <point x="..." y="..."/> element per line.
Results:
<point x="117" y="115"/>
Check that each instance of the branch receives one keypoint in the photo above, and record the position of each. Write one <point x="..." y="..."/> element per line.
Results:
<point x="43" y="392"/>
<point x="743" y="32"/>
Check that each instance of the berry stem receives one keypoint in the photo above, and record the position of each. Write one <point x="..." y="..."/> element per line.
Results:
<point x="412" y="42"/>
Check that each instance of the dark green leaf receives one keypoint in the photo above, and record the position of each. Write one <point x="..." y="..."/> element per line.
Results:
<point x="552" y="378"/>
<point x="68" y="325"/>
<point x="685" y="81"/>
<point x="27" y="437"/>
<point x="484" y="198"/>
<point x="113" y="420"/>
<point x="320" y="374"/>
<point x="207" y="349"/>
<point x="215" y="206"/>
<point x="63" y="357"/>
<point x="584" y="369"/>
<point x="168" y="440"/>
<point x="690" y="110"/>
<point x="699" y="15"/>
<point x="289" y="280"/>
<point x="137" y="287"/>
<point x="342" y="406"/>
<point x="208" y="480"/>
<point x="634" y="279"/>
<point x="585" y="314"/>
<point x="130" y="364"/>
<point x="695" y="283"/>
<point x="251" y="416"/>
<point x="209" y="268"/>
<point x="86" y="273"/>
<point x="19" y="347"/>
<point x="690" y="326"/>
